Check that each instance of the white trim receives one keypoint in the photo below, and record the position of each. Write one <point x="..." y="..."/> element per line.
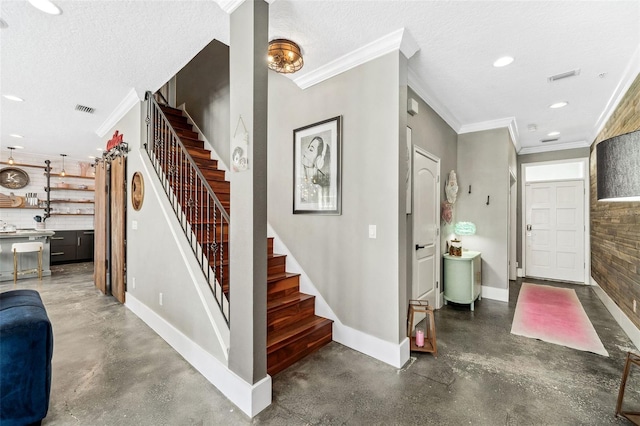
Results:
<point x="391" y="353"/>
<point x="229" y="6"/>
<point x="628" y="77"/>
<point x="493" y="293"/>
<point x="508" y="122"/>
<point x="519" y="273"/>
<point x="621" y="318"/>
<point x="250" y="398"/>
<point x="417" y="86"/>
<point x="397" y="40"/>
<point x="125" y="105"/>
<point x="553" y="147"/>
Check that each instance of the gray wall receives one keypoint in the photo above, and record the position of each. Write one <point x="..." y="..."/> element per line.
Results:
<point x="431" y="133"/>
<point x="357" y="276"/>
<point x="203" y="86"/>
<point x="566" y="154"/>
<point x="154" y="259"/>
<point x="483" y="163"/>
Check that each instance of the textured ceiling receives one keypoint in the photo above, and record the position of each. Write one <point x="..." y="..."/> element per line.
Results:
<point x="97" y="51"/>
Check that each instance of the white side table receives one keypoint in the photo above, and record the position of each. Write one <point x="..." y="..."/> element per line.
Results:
<point x="463" y="278"/>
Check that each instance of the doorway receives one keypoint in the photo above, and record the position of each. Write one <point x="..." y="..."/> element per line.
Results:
<point x="555" y="235"/>
<point x="426" y="227"/>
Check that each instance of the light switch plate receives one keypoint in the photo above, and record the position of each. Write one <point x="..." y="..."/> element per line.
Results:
<point x="372" y="231"/>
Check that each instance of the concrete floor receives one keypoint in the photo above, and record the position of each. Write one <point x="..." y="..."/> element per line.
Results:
<point x="109" y="368"/>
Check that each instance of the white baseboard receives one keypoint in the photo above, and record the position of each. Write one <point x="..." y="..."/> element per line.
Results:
<point x="250" y="398"/>
<point x="393" y="354"/>
<point x="621" y="318"/>
<point x="519" y="273"/>
<point x="493" y="293"/>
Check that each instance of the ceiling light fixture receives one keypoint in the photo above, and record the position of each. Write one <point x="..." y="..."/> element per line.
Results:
<point x="559" y="105"/>
<point x="13" y="98"/>
<point x="553" y="134"/>
<point x="18" y="147"/>
<point x="15" y="135"/>
<point x="284" y="56"/>
<point x="503" y="62"/>
<point x="11" y="160"/>
<point x="46" y="6"/>
<point x="63" y="173"/>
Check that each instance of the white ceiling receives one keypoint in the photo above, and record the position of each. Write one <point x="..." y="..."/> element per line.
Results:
<point x="96" y="52"/>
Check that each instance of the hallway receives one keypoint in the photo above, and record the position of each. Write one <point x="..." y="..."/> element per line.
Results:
<point x="109" y="368"/>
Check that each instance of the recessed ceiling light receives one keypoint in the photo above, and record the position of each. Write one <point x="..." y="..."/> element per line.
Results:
<point x="532" y="127"/>
<point x="93" y="157"/>
<point x="46" y="6"/>
<point x="15" y="135"/>
<point x="100" y="149"/>
<point x="559" y="105"/>
<point x="553" y="134"/>
<point x="503" y="62"/>
<point x="13" y="98"/>
<point x="17" y="147"/>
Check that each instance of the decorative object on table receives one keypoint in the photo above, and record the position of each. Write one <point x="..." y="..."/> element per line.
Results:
<point x="455" y="247"/>
<point x="633" y="416"/>
<point x="618" y="165"/>
<point x="240" y="148"/>
<point x="555" y="315"/>
<point x="451" y="187"/>
<point x="317" y="167"/>
<point x="284" y="56"/>
<point x="463" y="228"/>
<point x="137" y="191"/>
<point x="62" y="172"/>
<point x="13" y="178"/>
<point x="422" y="340"/>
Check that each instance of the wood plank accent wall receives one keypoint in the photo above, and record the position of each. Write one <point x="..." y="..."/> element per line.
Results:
<point x="615" y="227"/>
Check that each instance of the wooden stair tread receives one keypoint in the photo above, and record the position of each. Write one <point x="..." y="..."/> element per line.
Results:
<point x="283" y="336"/>
<point x="279" y="278"/>
<point x="286" y="301"/>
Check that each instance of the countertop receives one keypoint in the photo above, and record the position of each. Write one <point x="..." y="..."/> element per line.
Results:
<point x="27" y="233"/>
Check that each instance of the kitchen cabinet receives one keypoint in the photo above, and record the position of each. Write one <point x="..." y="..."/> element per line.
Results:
<point x="72" y="246"/>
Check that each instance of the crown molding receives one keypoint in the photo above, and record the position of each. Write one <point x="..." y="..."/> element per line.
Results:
<point x="123" y="107"/>
<point x="229" y="5"/>
<point x="508" y="122"/>
<point x="416" y="85"/>
<point x="554" y="147"/>
<point x="628" y="77"/>
<point x="397" y="40"/>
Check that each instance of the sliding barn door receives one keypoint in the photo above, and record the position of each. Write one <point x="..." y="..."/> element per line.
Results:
<point x="100" y="226"/>
<point x="118" y="211"/>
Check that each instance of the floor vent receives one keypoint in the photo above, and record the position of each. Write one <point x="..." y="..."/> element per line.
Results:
<point x="86" y="109"/>
<point x="572" y="73"/>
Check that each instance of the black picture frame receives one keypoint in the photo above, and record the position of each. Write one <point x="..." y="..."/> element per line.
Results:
<point x="317" y="168"/>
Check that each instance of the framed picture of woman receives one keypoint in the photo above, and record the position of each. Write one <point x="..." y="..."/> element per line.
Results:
<point x="317" y="168"/>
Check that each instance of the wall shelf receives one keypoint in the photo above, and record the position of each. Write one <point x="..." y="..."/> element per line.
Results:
<point x="72" y="176"/>
<point x="69" y="189"/>
<point x="22" y="165"/>
<point x="73" y="201"/>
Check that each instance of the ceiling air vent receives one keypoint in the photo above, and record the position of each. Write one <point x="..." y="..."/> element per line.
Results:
<point x="86" y="109"/>
<point x="549" y="140"/>
<point x="572" y="73"/>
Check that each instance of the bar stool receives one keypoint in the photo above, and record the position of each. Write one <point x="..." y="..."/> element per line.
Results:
<point x="26" y="248"/>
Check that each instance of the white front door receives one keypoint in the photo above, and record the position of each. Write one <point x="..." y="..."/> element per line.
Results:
<point x="555" y="230"/>
<point x="426" y="228"/>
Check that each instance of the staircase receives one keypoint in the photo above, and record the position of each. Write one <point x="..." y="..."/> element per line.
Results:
<point x="293" y="329"/>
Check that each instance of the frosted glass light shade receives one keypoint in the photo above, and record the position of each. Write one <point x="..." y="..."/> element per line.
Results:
<point x="464" y="228"/>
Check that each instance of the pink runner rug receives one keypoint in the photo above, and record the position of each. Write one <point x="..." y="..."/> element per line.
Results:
<point x="555" y="315"/>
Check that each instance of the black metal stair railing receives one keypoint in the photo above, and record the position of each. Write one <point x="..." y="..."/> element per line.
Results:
<point x="203" y="218"/>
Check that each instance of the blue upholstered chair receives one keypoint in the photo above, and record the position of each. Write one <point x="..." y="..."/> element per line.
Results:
<point x="26" y="348"/>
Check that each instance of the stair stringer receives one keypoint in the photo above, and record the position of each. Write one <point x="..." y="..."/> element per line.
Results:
<point x="393" y="354"/>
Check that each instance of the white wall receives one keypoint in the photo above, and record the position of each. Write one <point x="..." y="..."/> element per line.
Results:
<point x="357" y="276"/>
<point x="484" y="159"/>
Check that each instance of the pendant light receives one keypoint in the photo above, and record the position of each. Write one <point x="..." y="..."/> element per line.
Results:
<point x="63" y="173"/>
<point x="11" y="160"/>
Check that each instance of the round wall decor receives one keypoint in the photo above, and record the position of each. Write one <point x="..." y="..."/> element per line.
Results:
<point x="13" y="178"/>
<point x="137" y="190"/>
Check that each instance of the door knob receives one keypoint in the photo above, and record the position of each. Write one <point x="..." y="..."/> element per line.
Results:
<point x="418" y="247"/>
<point x="528" y="227"/>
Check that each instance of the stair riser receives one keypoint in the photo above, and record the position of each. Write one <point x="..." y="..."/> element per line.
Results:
<point x="284" y="357"/>
<point x="276" y="266"/>
<point x="286" y="316"/>
<point x="184" y="197"/>
<point x="270" y="246"/>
